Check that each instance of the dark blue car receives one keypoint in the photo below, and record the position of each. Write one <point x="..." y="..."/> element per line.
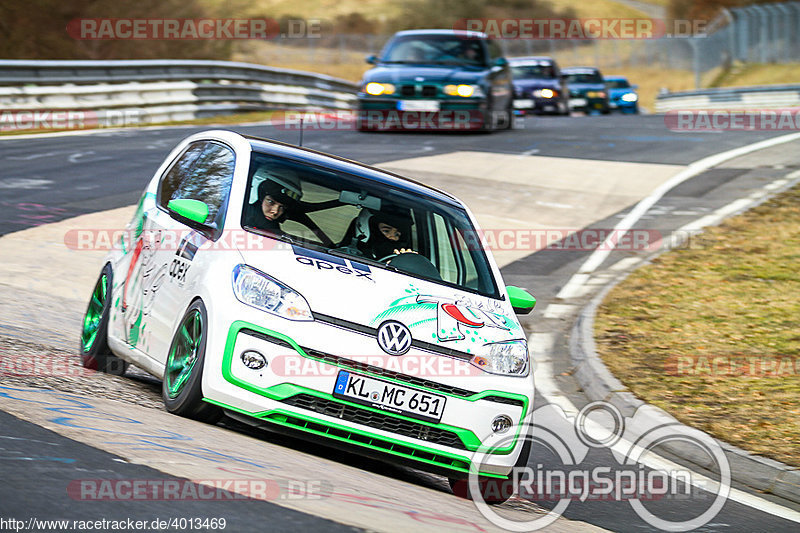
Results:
<point x="622" y="95"/>
<point x="538" y="86"/>
<point x="437" y="79"/>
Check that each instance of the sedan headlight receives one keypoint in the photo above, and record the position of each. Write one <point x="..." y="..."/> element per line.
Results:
<point x="544" y="93"/>
<point x="463" y="90"/>
<point x="509" y="358"/>
<point x="596" y="94"/>
<point x="629" y="97"/>
<point x="258" y="290"/>
<point x="376" y="89"/>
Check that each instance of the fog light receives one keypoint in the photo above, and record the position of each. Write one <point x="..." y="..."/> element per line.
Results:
<point x="253" y="360"/>
<point x="501" y="424"/>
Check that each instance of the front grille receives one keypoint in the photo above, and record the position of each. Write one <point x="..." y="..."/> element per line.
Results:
<point x="375" y="420"/>
<point x="428" y="90"/>
<point x="408" y="90"/>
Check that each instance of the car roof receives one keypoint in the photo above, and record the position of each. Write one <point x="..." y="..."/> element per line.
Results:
<point x="525" y="59"/>
<point x="333" y="162"/>
<point x="460" y="33"/>
<point x="580" y="69"/>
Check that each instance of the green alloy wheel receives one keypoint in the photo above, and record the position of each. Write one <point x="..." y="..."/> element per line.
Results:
<point x="183" y="375"/>
<point x="95" y="353"/>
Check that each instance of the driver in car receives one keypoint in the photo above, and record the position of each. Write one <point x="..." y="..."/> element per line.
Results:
<point x="278" y="194"/>
<point x="382" y="234"/>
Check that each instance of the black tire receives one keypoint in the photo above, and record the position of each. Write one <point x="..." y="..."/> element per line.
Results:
<point x="181" y="388"/>
<point x="94" y="350"/>
<point x="488" y="117"/>
<point x="509" y="124"/>
<point x="495" y="491"/>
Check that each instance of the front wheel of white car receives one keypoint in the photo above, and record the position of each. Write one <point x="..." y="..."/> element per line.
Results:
<point x="183" y="374"/>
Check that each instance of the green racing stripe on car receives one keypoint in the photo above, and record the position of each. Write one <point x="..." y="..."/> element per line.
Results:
<point x="285" y="390"/>
<point x="281" y="417"/>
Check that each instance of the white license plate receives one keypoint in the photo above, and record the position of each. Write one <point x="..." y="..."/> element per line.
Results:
<point x="389" y="396"/>
<point x="523" y="104"/>
<point x="418" y="105"/>
<point x="577" y="102"/>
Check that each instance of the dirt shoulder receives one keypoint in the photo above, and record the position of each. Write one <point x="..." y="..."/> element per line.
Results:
<point x="710" y="333"/>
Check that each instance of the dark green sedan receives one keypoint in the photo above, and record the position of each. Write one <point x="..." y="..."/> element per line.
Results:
<point x="587" y="90"/>
<point x="437" y="80"/>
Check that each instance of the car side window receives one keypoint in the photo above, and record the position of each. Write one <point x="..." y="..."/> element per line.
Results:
<point x="203" y="172"/>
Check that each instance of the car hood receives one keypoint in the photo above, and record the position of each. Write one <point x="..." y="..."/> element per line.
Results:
<point x="616" y="93"/>
<point x="365" y="296"/>
<point x="398" y="74"/>
<point x="537" y="83"/>
<point x="583" y="87"/>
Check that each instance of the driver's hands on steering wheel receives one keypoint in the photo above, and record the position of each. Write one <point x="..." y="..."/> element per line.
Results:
<point x="405" y="251"/>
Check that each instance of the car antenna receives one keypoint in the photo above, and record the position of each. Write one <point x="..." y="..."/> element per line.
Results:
<point x="302" y="116"/>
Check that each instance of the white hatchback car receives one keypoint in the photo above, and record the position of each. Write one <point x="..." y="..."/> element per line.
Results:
<point x="319" y="296"/>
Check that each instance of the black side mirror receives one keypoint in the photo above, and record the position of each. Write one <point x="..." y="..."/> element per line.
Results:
<point x="372" y="59"/>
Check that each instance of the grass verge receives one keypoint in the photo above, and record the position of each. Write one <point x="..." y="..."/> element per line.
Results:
<point x="710" y="333"/>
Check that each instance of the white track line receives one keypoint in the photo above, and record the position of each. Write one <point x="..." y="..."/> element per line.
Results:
<point x="594" y="261"/>
<point x="546" y="385"/>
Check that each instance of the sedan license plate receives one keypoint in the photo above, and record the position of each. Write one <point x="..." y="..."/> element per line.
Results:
<point x="523" y="104"/>
<point x="389" y="397"/>
<point x="577" y="102"/>
<point x="418" y="105"/>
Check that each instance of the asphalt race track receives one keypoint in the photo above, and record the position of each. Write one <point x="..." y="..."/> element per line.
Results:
<point x="46" y="181"/>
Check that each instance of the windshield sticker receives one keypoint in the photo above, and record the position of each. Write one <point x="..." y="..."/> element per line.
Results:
<point x="325" y="262"/>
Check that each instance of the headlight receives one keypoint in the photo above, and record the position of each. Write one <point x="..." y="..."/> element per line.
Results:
<point x="377" y="89"/>
<point x="258" y="290"/>
<point x="544" y="93"/>
<point x="629" y="97"/>
<point x="505" y="358"/>
<point x="596" y="94"/>
<point x="463" y="90"/>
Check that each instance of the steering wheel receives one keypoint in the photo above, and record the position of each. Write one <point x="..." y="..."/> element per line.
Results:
<point x="392" y="256"/>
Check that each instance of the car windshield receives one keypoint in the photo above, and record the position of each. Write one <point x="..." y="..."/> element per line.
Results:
<point x="584" y="77"/>
<point x="344" y="214"/>
<point x="434" y="49"/>
<point x="617" y="84"/>
<point x="522" y="72"/>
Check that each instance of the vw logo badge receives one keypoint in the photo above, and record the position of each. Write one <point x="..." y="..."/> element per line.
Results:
<point x="394" y="338"/>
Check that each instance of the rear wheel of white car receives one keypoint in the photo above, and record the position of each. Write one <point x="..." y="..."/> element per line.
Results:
<point x="183" y="373"/>
<point x="95" y="353"/>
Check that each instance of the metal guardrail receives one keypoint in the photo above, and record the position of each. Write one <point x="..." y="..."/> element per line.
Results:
<point x="745" y="98"/>
<point x="159" y="90"/>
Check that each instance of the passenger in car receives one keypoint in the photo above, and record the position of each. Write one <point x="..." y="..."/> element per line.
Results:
<point x="279" y="192"/>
